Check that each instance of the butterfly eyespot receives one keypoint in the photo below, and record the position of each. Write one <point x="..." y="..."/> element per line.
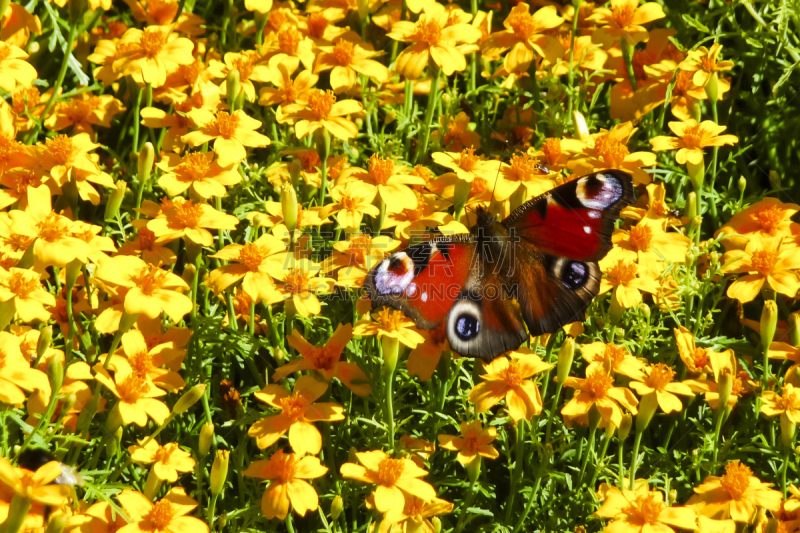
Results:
<point x="574" y="274"/>
<point x="599" y="191"/>
<point x="467" y="326"/>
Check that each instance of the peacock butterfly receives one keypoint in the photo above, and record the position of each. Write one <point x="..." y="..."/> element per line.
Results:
<point x="537" y="268"/>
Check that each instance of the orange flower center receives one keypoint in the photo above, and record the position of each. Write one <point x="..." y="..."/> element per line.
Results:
<point x="360" y="245"/>
<point x="610" y="150"/>
<point x="283" y="466"/>
<point x="523" y="168"/>
<point x="551" y="149"/>
<point x="788" y="400"/>
<point x="380" y="169"/>
<point x="191" y="72"/>
<point x="296" y="281"/>
<point x="251" y="255"/>
<point x="622" y="14"/>
<point x="644" y="510"/>
<point x="321" y="104"/>
<point x="162" y="454"/>
<point x="60" y="148"/>
<point x="428" y="31"/>
<point x="294" y="406"/>
<point x="512" y="375"/>
<point x="693" y="137"/>
<point x="8" y="149"/>
<point x="152" y="41"/>
<point x="186" y="215"/>
<point x="736" y="480"/>
<point x="52" y="228"/>
<point x="478" y="187"/>
<point x="700" y="358"/>
<point x="289" y="40"/>
<point x="323" y="358"/>
<point x="276" y="20"/>
<point x="614" y="355"/>
<point x="160" y="515"/>
<point x="343" y="52"/>
<point x="638" y="61"/>
<point x="18" y="243"/>
<point x="708" y="63"/>
<point x="471" y="443"/>
<point x="763" y="261"/>
<point x="468" y="159"/>
<point x="597" y="384"/>
<point x="389" y="320"/>
<point x="22" y="180"/>
<point x="132" y="388"/>
<point x="194" y="166"/>
<point x="310" y="160"/>
<point x="141" y="364"/>
<point x="147" y="239"/>
<point x="523" y="25"/>
<point x="389" y="471"/>
<point x="660" y="376"/>
<point x="244" y="63"/>
<point x="225" y="125"/>
<point x="641" y="236"/>
<point x="149" y="279"/>
<point x="622" y="273"/>
<point x="769" y="218"/>
<point x="78" y="111"/>
<point x="317" y="23"/>
<point x="23" y="285"/>
<point x="349" y="203"/>
<point x="683" y="83"/>
<point x="25" y="98"/>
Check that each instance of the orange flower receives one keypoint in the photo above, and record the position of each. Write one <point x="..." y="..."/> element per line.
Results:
<point x="785" y="405"/>
<point x="423" y="360"/>
<point x="390" y="323"/>
<point x="696" y="359"/>
<point x="612" y="360"/>
<point x="657" y="382"/>
<point x="768" y="218"/>
<point x="507" y="378"/>
<point x="324" y="112"/>
<point x="628" y="280"/>
<point x="192" y="220"/>
<point x="197" y="172"/>
<point x="230" y="133"/>
<point x="137" y="398"/>
<point x="167" y="460"/>
<point x="723" y="363"/>
<point x="288" y="486"/>
<point x="597" y="391"/>
<point x="526" y="37"/>
<point x="737" y="495"/>
<point x="643" y="511"/>
<point x="691" y="139"/>
<point x="37" y="486"/>
<point x="391" y="181"/>
<point x="346" y="60"/>
<point x="650" y="244"/>
<point x="298" y="281"/>
<point x="326" y="360"/>
<point x="625" y="19"/>
<point x="766" y="261"/>
<point x="167" y="514"/>
<point x="13" y="67"/>
<point x="704" y="63"/>
<point x="298" y="410"/>
<point x="395" y="479"/>
<point x="24" y="290"/>
<point x="251" y="263"/>
<point x="16" y="374"/>
<point x="152" y="53"/>
<point x="609" y="149"/>
<point x="414" y="514"/>
<point x="473" y="443"/>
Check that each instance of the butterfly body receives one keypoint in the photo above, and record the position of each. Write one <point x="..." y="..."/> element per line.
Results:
<point x="526" y="275"/>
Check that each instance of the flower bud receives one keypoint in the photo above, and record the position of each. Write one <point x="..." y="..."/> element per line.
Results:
<point x="672" y="497"/>
<point x="645" y="311"/>
<point x="233" y="87"/>
<point x="7" y="310"/>
<point x="691" y="205"/>
<point x="436" y="522"/>
<point x="712" y="88"/>
<point x="222" y="520"/>
<point x="189" y="398"/>
<point x="363" y="10"/>
<point x="206" y="439"/>
<point x="742" y="184"/>
<point x="112" y="442"/>
<point x="474" y="468"/>
<point x="115" y="199"/>
<point x="697" y="221"/>
<point x="391" y="348"/>
<point x="43" y="344"/>
<point x="769" y="323"/>
<point x="57" y="523"/>
<point x="625" y="427"/>
<point x="774" y="180"/>
<point x="794" y="329"/>
<point x="289" y="207"/>
<point x="68" y="403"/>
<point x="580" y="127"/>
<point x="566" y="354"/>
<point x="337" y="506"/>
<point x="151" y="486"/>
<point x="55" y="373"/>
<point x="788" y="430"/>
<point x="219" y="471"/>
<point x="647" y="408"/>
<point x="696" y="111"/>
<point x="146" y="158"/>
<point x="724" y="388"/>
<point x="696" y="174"/>
<point x="114" y="419"/>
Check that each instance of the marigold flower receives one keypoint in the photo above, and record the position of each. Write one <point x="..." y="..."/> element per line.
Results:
<point x="627" y="279"/>
<point x="507" y="378"/>
<point x="696" y="359"/>
<point x="409" y="223"/>
<point x="391" y="181"/>
<point x="737" y="495"/>
<point x="251" y="263"/>
<point x="624" y="19"/>
<point x="526" y="37"/>
<point x="657" y="381"/>
<point x="298" y="410"/>
<point x="523" y="172"/>
<point x="350" y="202"/>
<point x="197" y="172"/>
<point x="722" y="363"/>
<point x="146" y="361"/>
<point x="768" y="218"/>
<point x="13" y="67"/>
<point x="145" y="244"/>
<point x="785" y="405"/>
<point x="83" y="111"/>
<point x="395" y="479"/>
<point x="288" y="91"/>
<point x="654" y="247"/>
<point x="390" y="323"/>
<point x="152" y="53"/>
<point x="137" y="397"/>
<point x="474" y="442"/>
<point x="770" y="261"/>
<point x="288" y="486"/>
<point x="423" y="360"/>
<point x="100" y="517"/>
<point x="167" y="460"/>
<point x="353" y="258"/>
<point x="597" y="390"/>
<point x="38" y="486"/>
<point x="247" y="64"/>
<point x="298" y="281"/>
<point x="322" y="111"/>
<point x="454" y="131"/>
<point x="24" y="290"/>
<point x="416" y="512"/>
<point x="612" y="360"/>
<point x="230" y="134"/>
<point x="16" y="374"/>
<point x="704" y="63"/>
<point x="326" y="360"/>
<point x="785" y="351"/>
<point x="75" y="377"/>
<point x="432" y="38"/>
<point x="167" y="514"/>
<point x="691" y="138"/>
<point x="346" y="60"/>
<point x="191" y="220"/>
<point x="643" y="510"/>
<point x="150" y="289"/>
<point x="609" y="149"/>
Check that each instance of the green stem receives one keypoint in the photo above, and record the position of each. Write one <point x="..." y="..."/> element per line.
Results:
<point x="252" y="317"/>
<point x="712" y="205"/>
<point x="210" y="515"/>
<point x="232" y="312"/>
<point x="516" y="472"/>
<point x="635" y="458"/>
<point x="471" y="493"/>
<point x="289" y="524"/>
<point x="627" y="54"/>
<point x="432" y="97"/>
<point x="719" y="417"/>
<point x="135" y="113"/>
<point x="388" y="393"/>
<point x="590" y="451"/>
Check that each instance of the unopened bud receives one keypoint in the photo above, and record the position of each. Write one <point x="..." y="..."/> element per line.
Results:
<point x="566" y="354"/>
<point x="289" y="207"/>
<point x="114" y="419"/>
<point x="337" y="506"/>
<point x="474" y="468"/>
<point x="774" y="180"/>
<point x="691" y="205"/>
<point x="742" y="184"/>
<point x="772" y="525"/>
<point x="647" y="408"/>
<point x="115" y="199"/>
<point x="672" y="497"/>
<point x="615" y="310"/>
<point x="580" y="127"/>
<point x="189" y="398"/>
<point x="625" y="427"/>
<point x="68" y="403"/>
<point x="696" y="111"/>
<point x="295" y="168"/>
<point x="697" y="221"/>
<point x="769" y="323"/>
<point x="712" y="88"/>
<point x="55" y="373"/>
<point x="233" y="87"/>
<point x="206" y="439"/>
<point x="436" y="522"/>
<point x="645" y="311"/>
<point x="43" y="344"/>
<point x="788" y="430"/>
<point x="391" y="348"/>
<point x="146" y="158"/>
<point x="794" y="329"/>
<point x="219" y="471"/>
<point x="724" y="388"/>
<point x="352" y="456"/>
<point x="57" y="523"/>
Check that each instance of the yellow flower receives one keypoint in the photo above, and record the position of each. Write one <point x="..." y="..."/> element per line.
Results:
<point x="99" y="518"/>
<point x="326" y="360"/>
<point x="37" y="486"/>
<point x="16" y="374"/>
<point x="289" y="47"/>
<point x="167" y="514"/>
<point x="324" y="112"/>
<point x="612" y="360"/>
<point x="650" y="244"/>
<point x="628" y="280"/>
<point x="299" y="282"/>
<point x="288" y="486"/>
<point x="508" y="379"/>
<point x="346" y="60"/>
<point x="146" y="361"/>
<point x="704" y="63"/>
<point x="137" y="398"/>
<point x="192" y="220"/>
<point x="196" y="172"/>
<point x="597" y="391"/>
<point x="390" y="323"/>
<point x="354" y="257"/>
<point x="152" y="53"/>
<point x="766" y="261"/>
<point x="474" y="442"/>
<point x="643" y="511"/>
<point x="24" y="289"/>
<point x="657" y="382"/>
<point x="526" y="37"/>
<point x="13" y="67"/>
<point x="391" y="181"/>
<point x="723" y="363"/>
<point x="768" y="218"/>
<point x="454" y="131"/>
<point x="466" y="165"/>
<point x="350" y="202"/>
<point x="288" y="91"/>
<point x="423" y="360"/>
<point x="625" y="19"/>
<point x="412" y="222"/>
<point x="151" y="289"/>
<point x="691" y="139"/>
<point x="167" y="460"/>
<point x="785" y="351"/>
<point x="395" y="478"/>
<point x="553" y="154"/>
<point x="414" y="514"/>
<point x="84" y="111"/>
<point x="230" y="133"/>
<point x="247" y="64"/>
<point x="523" y="174"/>
<point x="251" y="263"/>
<point x="298" y="410"/>
<point x="737" y="495"/>
<point x="696" y="359"/>
<point x="785" y="405"/>
<point x="146" y="246"/>
<point x="609" y="149"/>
